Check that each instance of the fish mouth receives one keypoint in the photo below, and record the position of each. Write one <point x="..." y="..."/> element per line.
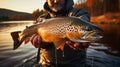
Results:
<point x="88" y="35"/>
<point x="86" y="38"/>
<point x="91" y="37"/>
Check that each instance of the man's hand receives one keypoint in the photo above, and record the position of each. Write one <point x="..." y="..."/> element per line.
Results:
<point x="35" y="40"/>
<point x="77" y="45"/>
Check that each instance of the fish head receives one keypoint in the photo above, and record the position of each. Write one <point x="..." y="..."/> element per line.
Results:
<point x="83" y="31"/>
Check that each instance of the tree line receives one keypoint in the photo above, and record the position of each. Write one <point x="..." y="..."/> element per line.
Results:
<point x="99" y="7"/>
<point x="7" y="16"/>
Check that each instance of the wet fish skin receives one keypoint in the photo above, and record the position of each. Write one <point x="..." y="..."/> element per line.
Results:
<point x="57" y="30"/>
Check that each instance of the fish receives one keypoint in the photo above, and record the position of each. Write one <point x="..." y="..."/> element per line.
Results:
<point x="58" y="30"/>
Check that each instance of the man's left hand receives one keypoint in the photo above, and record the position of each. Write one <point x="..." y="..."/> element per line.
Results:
<point x="77" y="45"/>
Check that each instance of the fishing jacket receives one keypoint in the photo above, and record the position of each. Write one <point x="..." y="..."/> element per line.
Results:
<point x="51" y="57"/>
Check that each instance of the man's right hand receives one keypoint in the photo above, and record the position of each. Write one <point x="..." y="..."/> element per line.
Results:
<point x="35" y="40"/>
<point x="77" y="45"/>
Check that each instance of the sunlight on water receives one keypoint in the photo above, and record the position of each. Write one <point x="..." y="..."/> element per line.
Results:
<point x="18" y="22"/>
<point x="7" y="27"/>
<point x="6" y="44"/>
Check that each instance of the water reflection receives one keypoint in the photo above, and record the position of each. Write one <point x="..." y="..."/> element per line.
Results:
<point x="6" y="44"/>
<point x="111" y="38"/>
<point x="7" y="27"/>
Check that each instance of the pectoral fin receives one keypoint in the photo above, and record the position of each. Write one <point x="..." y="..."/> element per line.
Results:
<point x="27" y="40"/>
<point x="59" y="43"/>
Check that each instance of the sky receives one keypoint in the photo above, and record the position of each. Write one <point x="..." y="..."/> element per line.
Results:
<point x="22" y="5"/>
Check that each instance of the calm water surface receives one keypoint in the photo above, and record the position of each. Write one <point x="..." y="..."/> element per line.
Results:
<point x="106" y="53"/>
<point x="8" y="56"/>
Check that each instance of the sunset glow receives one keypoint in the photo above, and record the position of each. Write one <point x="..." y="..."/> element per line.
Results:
<point x="22" y="5"/>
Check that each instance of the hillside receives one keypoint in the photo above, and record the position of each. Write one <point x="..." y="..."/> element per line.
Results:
<point x="113" y="18"/>
<point x="6" y="14"/>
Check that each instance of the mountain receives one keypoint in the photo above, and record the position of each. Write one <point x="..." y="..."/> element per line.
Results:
<point x="6" y="14"/>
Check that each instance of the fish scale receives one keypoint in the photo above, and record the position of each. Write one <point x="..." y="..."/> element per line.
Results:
<point x="58" y="29"/>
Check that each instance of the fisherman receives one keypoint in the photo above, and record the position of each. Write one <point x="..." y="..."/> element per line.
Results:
<point x="74" y="53"/>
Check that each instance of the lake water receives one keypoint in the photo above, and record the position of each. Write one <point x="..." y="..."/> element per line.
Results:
<point x="106" y="53"/>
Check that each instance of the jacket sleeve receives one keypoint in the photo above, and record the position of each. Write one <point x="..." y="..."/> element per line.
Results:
<point x="80" y="13"/>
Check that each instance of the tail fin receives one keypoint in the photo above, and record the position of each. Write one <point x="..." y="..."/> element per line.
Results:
<point x="15" y="37"/>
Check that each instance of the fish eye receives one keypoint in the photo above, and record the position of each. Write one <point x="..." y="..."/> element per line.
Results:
<point x="86" y="28"/>
<point x="89" y="29"/>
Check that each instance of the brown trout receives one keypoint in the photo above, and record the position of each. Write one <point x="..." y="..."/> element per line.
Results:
<point x="57" y="30"/>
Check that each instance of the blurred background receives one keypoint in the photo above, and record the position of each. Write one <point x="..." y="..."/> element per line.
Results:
<point x="15" y="15"/>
